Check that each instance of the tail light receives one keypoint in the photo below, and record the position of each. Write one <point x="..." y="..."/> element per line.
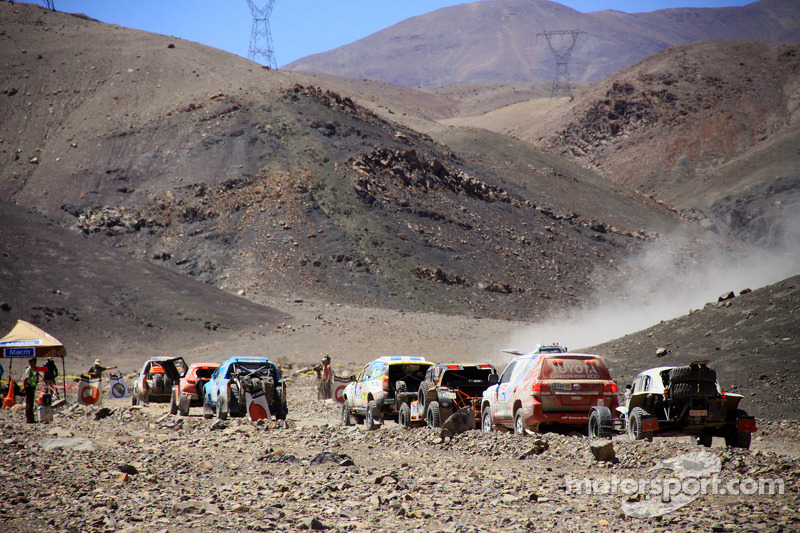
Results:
<point x="453" y="367"/>
<point x="386" y="383"/>
<point x="610" y="387"/>
<point x="666" y="393"/>
<point x="541" y="388"/>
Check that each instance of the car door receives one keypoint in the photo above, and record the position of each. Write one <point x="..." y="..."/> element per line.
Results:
<point x="360" y="397"/>
<point x="501" y="409"/>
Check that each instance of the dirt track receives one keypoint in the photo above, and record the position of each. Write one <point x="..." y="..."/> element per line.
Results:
<point x="198" y="475"/>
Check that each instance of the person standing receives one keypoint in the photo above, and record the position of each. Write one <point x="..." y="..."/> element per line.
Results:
<point x="30" y="379"/>
<point x="50" y="373"/>
<point x="326" y="378"/>
<point x="96" y="370"/>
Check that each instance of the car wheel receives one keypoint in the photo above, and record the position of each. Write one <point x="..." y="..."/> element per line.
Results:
<point x="686" y="374"/>
<point x="702" y="440"/>
<point x="173" y="405"/>
<point x="158" y="384"/>
<point x="222" y="411"/>
<point x="404" y="416"/>
<point x="487" y="424"/>
<point x="434" y="415"/>
<point x="736" y="438"/>
<point x="346" y="420"/>
<point x="208" y="412"/>
<point x="422" y="397"/>
<point x="370" y="422"/>
<point x="134" y="401"/>
<point x="694" y="389"/>
<point x="635" y="431"/>
<point x="519" y="422"/>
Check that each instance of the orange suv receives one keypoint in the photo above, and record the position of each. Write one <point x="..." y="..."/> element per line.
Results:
<point x="542" y="390"/>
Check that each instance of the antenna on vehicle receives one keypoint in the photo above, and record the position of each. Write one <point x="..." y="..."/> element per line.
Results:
<point x="261" y="36"/>
<point x="50" y="4"/>
<point x="562" y="43"/>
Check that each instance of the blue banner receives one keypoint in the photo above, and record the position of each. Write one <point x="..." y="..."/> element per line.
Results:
<point x="28" y="351"/>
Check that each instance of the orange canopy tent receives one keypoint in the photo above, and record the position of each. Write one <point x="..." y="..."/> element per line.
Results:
<point x="26" y="340"/>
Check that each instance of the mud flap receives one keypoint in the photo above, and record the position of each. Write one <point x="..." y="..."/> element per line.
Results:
<point x="747" y="424"/>
<point x="257" y="406"/>
<point x="649" y="424"/>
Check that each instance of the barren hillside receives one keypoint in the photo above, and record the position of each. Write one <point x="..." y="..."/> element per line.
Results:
<point x="241" y="177"/>
<point x="709" y="127"/>
<point x="498" y="41"/>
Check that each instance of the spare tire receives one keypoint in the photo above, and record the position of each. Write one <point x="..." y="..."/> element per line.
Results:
<point x="686" y="374"/>
<point x="696" y="389"/>
<point x="158" y="384"/>
<point x="422" y="396"/>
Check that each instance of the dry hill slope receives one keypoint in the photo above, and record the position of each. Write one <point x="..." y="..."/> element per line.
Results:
<point x="493" y="41"/>
<point x="205" y="163"/>
<point x="711" y="128"/>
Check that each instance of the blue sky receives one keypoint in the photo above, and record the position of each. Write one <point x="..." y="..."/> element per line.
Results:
<point x="301" y="27"/>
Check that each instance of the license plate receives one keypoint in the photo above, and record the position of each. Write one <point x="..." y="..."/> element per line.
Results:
<point x="698" y="412"/>
<point x="576" y="398"/>
<point x="561" y="386"/>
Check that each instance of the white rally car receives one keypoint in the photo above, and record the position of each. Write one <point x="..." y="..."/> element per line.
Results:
<point x="372" y="397"/>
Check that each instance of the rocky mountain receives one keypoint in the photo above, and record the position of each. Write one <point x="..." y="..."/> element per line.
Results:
<point x="498" y="40"/>
<point x="710" y="128"/>
<point x="272" y="182"/>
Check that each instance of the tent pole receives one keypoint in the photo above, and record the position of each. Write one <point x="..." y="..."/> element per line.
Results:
<point x="64" y="378"/>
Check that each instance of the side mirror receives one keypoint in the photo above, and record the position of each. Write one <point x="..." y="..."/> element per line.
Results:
<point x="493" y="379"/>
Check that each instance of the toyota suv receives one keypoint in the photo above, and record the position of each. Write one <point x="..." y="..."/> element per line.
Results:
<point x="548" y="390"/>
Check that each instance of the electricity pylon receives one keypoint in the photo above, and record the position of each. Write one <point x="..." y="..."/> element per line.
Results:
<point x="50" y="4"/>
<point x="261" y="36"/>
<point x="562" y="43"/>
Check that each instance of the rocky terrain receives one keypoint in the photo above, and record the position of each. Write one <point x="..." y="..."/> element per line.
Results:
<point x="143" y="470"/>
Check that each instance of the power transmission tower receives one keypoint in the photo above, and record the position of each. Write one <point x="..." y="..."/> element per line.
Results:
<point x="50" y="4"/>
<point x="261" y="36"/>
<point x="562" y="43"/>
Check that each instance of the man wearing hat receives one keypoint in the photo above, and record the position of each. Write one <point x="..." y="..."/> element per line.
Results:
<point x="96" y="371"/>
<point x="30" y="379"/>
<point x="326" y="379"/>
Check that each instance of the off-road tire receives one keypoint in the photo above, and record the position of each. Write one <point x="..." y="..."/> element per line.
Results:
<point x="208" y="412"/>
<point x="434" y="415"/>
<point x="181" y="410"/>
<point x="519" y="422"/>
<point x="404" y="416"/>
<point x="422" y="397"/>
<point x="173" y="406"/>
<point x="686" y="374"/>
<point x="282" y="410"/>
<point x="158" y="384"/>
<point x="369" y="420"/>
<point x="134" y="400"/>
<point x="222" y="412"/>
<point x="600" y="424"/>
<point x="703" y="440"/>
<point x="736" y="438"/>
<point x="346" y="420"/>
<point x="487" y="424"/>
<point x="693" y="389"/>
<point x="635" y="425"/>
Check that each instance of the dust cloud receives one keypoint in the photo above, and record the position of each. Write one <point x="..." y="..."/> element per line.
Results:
<point x="669" y="279"/>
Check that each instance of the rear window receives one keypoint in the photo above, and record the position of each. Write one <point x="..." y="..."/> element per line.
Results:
<point x="574" y="367"/>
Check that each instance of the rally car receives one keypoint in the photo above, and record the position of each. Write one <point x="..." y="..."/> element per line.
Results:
<point x="548" y="389"/>
<point x="373" y="396"/>
<point x="153" y="384"/>
<point x="684" y="400"/>
<point x="188" y="389"/>
<point x="245" y="386"/>
<point x="446" y="389"/>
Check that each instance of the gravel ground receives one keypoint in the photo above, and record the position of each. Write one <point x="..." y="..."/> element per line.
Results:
<point x="141" y="469"/>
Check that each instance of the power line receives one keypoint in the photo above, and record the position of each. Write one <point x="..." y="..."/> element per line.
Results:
<point x="562" y="43"/>
<point x="261" y="35"/>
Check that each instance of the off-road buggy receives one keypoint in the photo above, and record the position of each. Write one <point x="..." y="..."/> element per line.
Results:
<point x="672" y="401"/>
<point x="446" y="389"/>
<point x="154" y="384"/>
<point x="238" y="378"/>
